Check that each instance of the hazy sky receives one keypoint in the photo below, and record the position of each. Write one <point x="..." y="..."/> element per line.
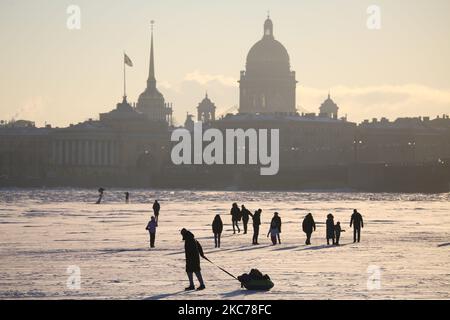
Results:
<point x="61" y="76"/>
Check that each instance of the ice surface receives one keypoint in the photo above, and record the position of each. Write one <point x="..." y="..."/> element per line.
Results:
<point x="44" y="231"/>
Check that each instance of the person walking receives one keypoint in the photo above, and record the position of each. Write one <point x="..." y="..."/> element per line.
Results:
<point x="151" y="227"/>
<point x="156" y="208"/>
<point x="308" y="227"/>
<point x="256" y="223"/>
<point x="276" y="222"/>
<point x="357" y="222"/>
<point x="245" y="217"/>
<point x="337" y="232"/>
<point x="127" y="197"/>
<point x="330" y="229"/>
<point x="193" y="251"/>
<point x="235" y="217"/>
<point x="217" y="227"/>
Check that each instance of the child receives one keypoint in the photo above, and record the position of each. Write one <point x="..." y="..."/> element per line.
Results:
<point x="337" y="231"/>
<point x="217" y="227"/>
<point x="330" y="228"/>
<point x="274" y="233"/>
<point x="151" y="227"/>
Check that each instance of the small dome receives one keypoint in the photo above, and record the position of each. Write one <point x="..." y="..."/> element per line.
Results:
<point x="329" y="106"/>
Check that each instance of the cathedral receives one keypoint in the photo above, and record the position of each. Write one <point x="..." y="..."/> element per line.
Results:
<point x="267" y="85"/>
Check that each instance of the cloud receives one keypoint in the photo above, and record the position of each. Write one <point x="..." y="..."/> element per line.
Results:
<point x="205" y="78"/>
<point x="390" y="101"/>
<point x="32" y="109"/>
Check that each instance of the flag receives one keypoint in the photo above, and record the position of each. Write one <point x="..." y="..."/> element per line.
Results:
<point x="127" y="60"/>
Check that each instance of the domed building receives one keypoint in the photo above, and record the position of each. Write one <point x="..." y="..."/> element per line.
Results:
<point x="268" y="85"/>
<point x="206" y="110"/>
<point x="329" y="109"/>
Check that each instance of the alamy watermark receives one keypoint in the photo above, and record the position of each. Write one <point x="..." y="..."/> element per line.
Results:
<point x="74" y="279"/>
<point x="374" y="18"/>
<point x="236" y="147"/>
<point x="74" y="19"/>
<point x="374" y="278"/>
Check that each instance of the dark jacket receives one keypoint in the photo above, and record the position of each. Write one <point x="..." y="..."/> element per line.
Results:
<point x="357" y="221"/>
<point x="217" y="225"/>
<point x="308" y="224"/>
<point x="276" y="223"/>
<point x="193" y="251"/>
<point x="245" y="214"/>
<point x="156" y="207"/>
<point x="235" y="214"/>
<point x="256" y="218"/>
<point x="330" y="228"/>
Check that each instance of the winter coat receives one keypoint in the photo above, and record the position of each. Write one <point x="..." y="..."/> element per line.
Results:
<point x="308" y="224"/>
<point x="357" y="221"/>
<point x="276" y="222"/>
<point x="256" y="218"/>
<point x="337" y="230"/>
<point x="235" y="214"/>
<point x="193" y="251"/>
<point x="151" y="226"/>
<point x="330" y="228"/>
<point x="245" y="215"/>
<point x="156" y="207"/>
<point x="217" y="226"/>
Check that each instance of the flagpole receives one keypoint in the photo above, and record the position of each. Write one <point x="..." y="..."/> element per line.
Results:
<point x="124" y="77"/>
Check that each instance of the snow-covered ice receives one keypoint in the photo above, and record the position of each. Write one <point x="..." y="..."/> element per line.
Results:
<point x="45" y="231"/>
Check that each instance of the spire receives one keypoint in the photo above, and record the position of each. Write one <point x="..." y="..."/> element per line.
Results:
<point x="151" y="82"/>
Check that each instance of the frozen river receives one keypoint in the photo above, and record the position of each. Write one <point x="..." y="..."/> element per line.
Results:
<point x="48" y="236"/>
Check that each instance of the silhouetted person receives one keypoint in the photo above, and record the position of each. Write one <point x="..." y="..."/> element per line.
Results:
<point x="245" y="217"/>
<point x="151" y="227"/>
<point x="156" y="208"/>
<point x="274" y="232"/>
<point x="193" y="251"/>
<point x="276" y="221"/>
<point x="308" y="227"/>
<point x="127" y="197"/>
<point x="235" y="217"/>
<point x="358" y="223"/>
<point x="100" y="195"/>
<point x="330" y="228"/>
<point x="256" y="223"/>
<point x="337" y="232"/>
<point x="217" y="227"/>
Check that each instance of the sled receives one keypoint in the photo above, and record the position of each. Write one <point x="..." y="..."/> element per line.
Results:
<point x="258" y="285"/>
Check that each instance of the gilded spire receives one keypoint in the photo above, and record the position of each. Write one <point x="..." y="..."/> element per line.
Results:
<point x="151" y="82"/>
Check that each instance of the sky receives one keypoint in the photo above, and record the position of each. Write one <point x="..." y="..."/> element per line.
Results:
<point x="51" y="74"/>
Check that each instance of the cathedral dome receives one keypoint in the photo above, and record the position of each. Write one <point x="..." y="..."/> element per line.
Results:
<point x="268" y="52"/>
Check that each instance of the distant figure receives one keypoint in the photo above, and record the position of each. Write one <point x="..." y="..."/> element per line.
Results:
<point x="217" y="227"/>
<point x="235" y="217"/>
<point x="308" y="226"/>
<point x="256" y="223"/>
<point x="127" y="197"/>
<point x="276" y="221"/>
<point x="337" y="232"/>
<point x="330" y="228"/>
<point x="156" y="208"/>
<point x="274" y="233"/>
<point x="193" y="251"/>
<point x="151" y="227"/>
<point x="245" y="217"/>
<point x="358" y="223"/>
<point x="100" y="195"/>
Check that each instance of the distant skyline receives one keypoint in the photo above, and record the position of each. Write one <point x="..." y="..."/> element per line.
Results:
<point x="60" y="76"/>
